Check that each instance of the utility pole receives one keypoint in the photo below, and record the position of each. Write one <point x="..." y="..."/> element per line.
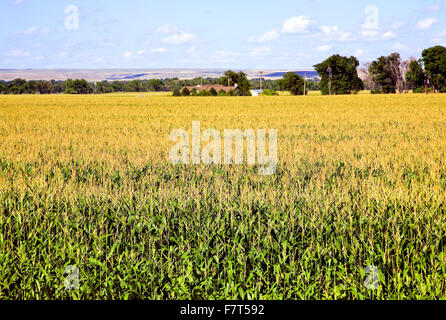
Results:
<point x="261" y="79"/>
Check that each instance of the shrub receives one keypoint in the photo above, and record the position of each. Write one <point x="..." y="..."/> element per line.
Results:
<point x="204" y="93"/>
<point x="269" y="92"/>
<point x="185" y="92"/>
<point x="70" y="91"/>
<point x="213" y="92"/>
<point x="419" y="90"/>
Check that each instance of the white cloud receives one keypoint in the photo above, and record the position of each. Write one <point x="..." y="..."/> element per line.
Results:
<point x="261" y="51"/>
<point x="398" y="25"/>
<point x="128" y="55"/>
<point x="99" y="59"/>
<point x="158" y="50"/>
<point x="69" y="43"/>
<point x="324" y="48"/>
<point x="439" y="41"/>
<point x="180" y="38"/>
<point x="399" y="46"/>
<point x="297" y="25"/>
<point x="31" y="30"/>
<point x="18" y="53"/>
<point x="140" y="52"/>
<point x="108" y="42"/>
<point x="45" y="30"/>
<point x="426" y="23"/>
<point x="369" y="33"/>
<point x="221" y="55"/>
<point x="333" y="33"/>
<point x="358" y="53"/>
<point x="267" y="37"/>
<point x="388" y="35"/>
<point x="102" y="21"/>
<point x="434" y="7"/>
<point x="168" y="28"/>
<point x="17" y="2"/>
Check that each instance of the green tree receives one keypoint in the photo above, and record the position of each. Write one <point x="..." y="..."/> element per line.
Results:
<point x="213" y="92"/>
<point x="156" y="85"/>
<point x="185" y="92"/>
<point x="176" y="92"/>
<point x="78" y="86"/>
<point x="381" y="72"/>
<point x="44" y="87"/>
<point x="339" y="75"/>
<point x="17" y="86"/>
<point x="82" y="86"/>
<point x="292" y="82"/>
<point x="238" y="79"/>
<point x="135" y="86"/>
<point x="269" y="92"/>
<point x="415" y="75"/>
<point x="435" y="64"/>
<point x="204" y="93"/>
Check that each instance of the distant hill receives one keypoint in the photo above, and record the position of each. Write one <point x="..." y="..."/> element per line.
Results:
<point x="127" y="76"/>
<point x="132" y="74"/>
<point x="308" y="74"/>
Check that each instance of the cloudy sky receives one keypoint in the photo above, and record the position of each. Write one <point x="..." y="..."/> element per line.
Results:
<point x="243" y="34"/>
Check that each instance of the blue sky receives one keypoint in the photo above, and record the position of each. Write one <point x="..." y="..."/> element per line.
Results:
<point x="242" y="34"/>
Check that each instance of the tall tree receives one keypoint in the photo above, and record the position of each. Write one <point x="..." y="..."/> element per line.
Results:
<point x="17" y="86"/>
<point x="415" y="75"/>
<point x="435" y="65"/>
<point x="240" y="79"/>
<point x="364" y="75"/>
<point x="292" y="82"/>
<point x="398" y="70"/>
<point x="339" y="75"/>
<point x="383" y="75"/>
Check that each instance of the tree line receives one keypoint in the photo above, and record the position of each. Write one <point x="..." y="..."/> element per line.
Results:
<point x="338" y="75"/>
<point x="81" y="86"/>
<point x="387" y="74"/>
<point x="391" y="74"/>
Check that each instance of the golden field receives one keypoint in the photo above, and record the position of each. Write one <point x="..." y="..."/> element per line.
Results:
<point x="87" y="181"/>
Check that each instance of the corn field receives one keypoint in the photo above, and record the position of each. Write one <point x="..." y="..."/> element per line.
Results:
<point x="86" y="181"/>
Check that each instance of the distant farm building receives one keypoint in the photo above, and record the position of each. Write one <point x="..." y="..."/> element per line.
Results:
<point x="208" y="87"/>
<point x="256" y="93"/>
